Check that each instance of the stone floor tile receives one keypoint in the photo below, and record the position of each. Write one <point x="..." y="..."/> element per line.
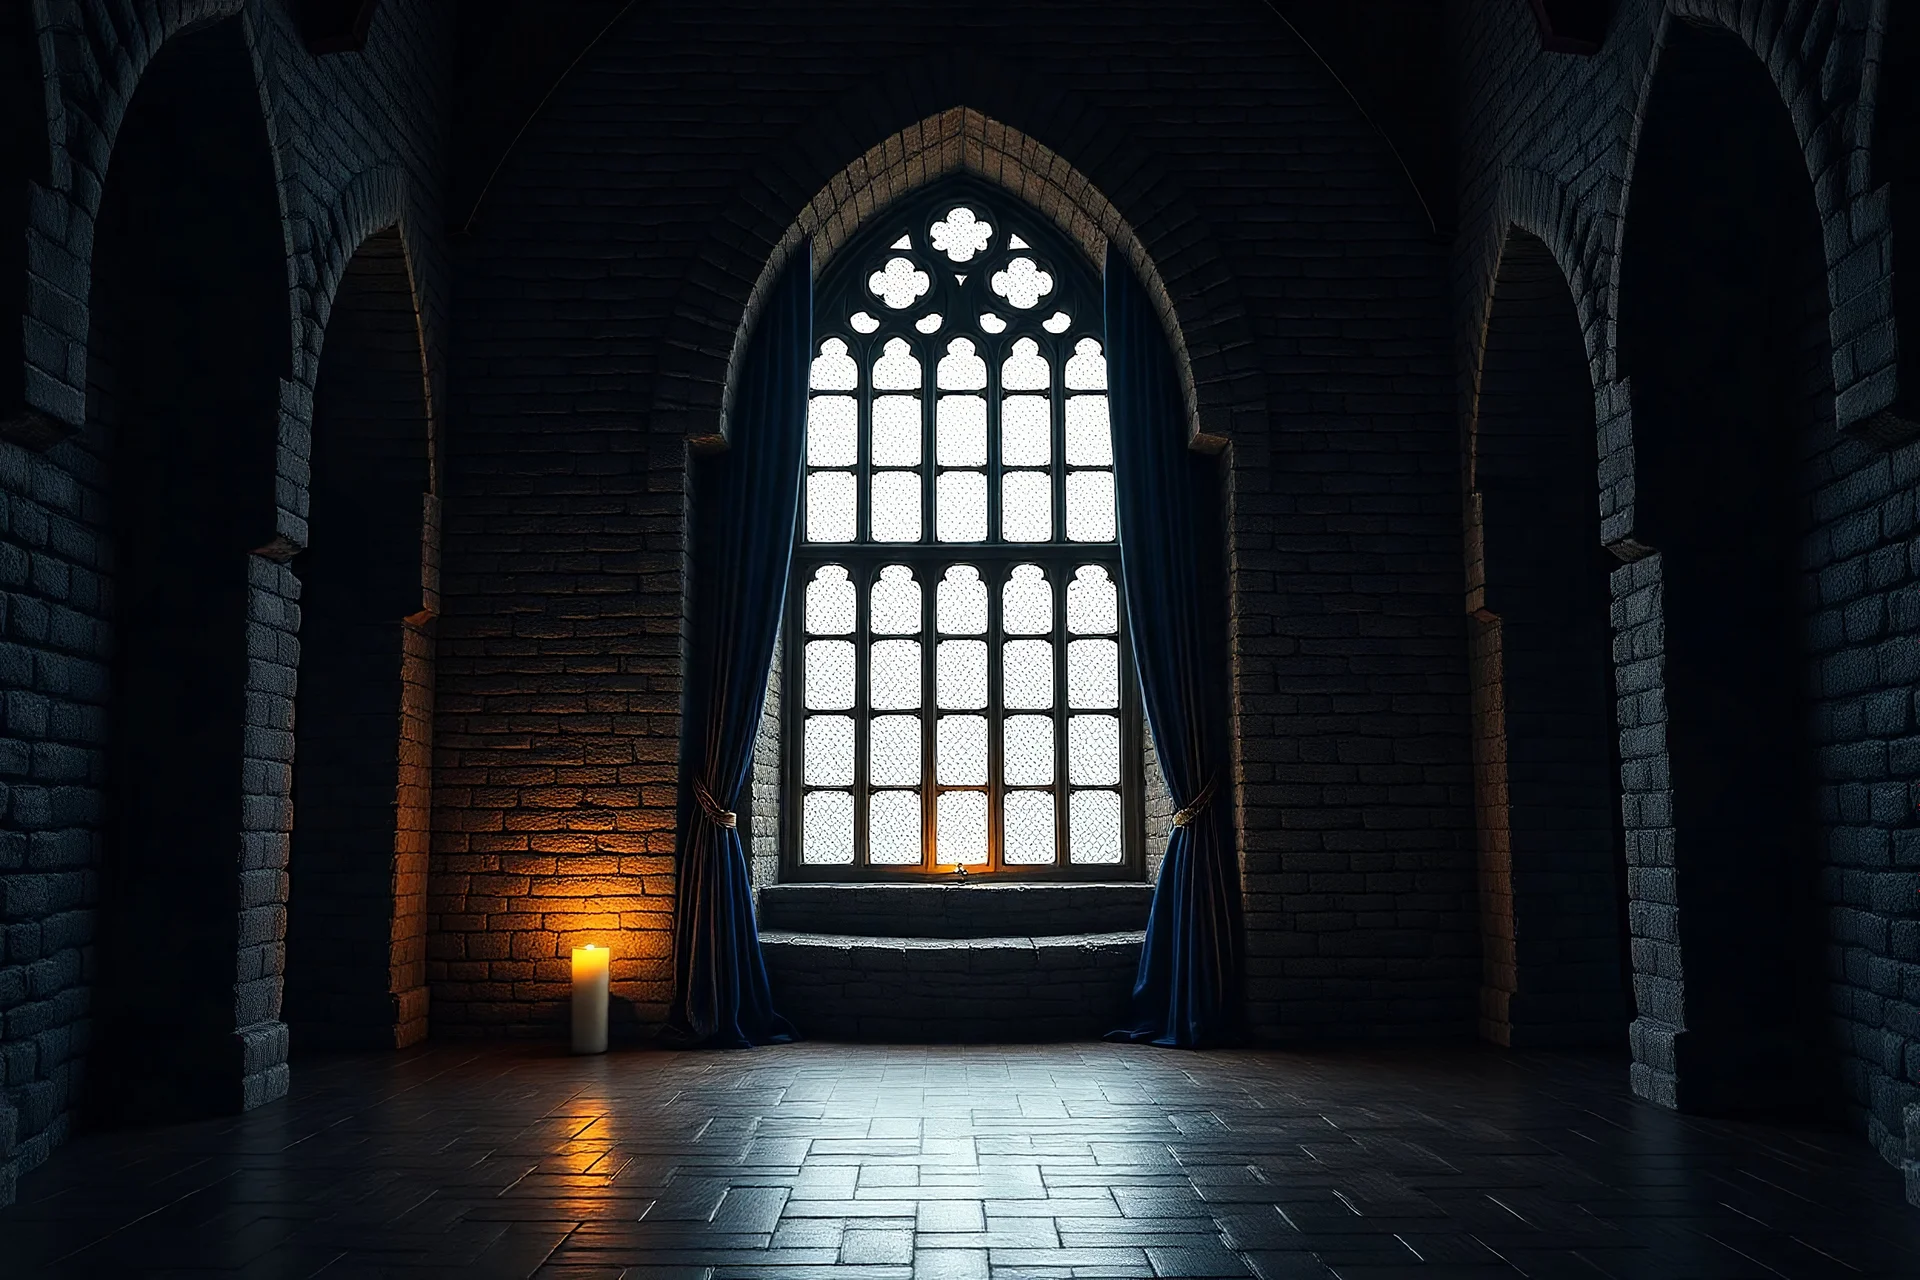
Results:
<point x="950" y="1264"/>
<point x="951" y="1215"/>
<point x="821" y="1160"/>
<point x="861" y="1245"/>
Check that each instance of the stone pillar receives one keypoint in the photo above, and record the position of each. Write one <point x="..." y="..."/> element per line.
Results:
<point x="1653" y="914"/>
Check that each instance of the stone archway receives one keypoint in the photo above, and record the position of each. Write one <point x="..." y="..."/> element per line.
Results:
<point x="1546" y="775"/>
<point x="356" y="936"/>
<point x="958" y="140"/>
<point x="1724" y="335"/>
<point x="190" y="341"/>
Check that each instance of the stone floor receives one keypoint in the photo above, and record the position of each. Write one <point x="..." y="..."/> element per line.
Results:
<point x="1061" y="1160"/>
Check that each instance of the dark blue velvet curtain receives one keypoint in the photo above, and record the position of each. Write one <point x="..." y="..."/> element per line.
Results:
<point x="1169" y="499"/>
<point x="745" y="503"/>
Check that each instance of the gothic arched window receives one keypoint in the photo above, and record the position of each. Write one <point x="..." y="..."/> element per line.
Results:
<point x="959" y="691"/>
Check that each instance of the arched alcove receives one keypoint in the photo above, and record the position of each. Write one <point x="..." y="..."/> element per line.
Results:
<point x="1546" y="789"/>
<point x="190" y="339"/>
<point x="1723" y="322"/>
<point x="23" y="159"/>
<point x="356" y="942"/>
<point x="1896" y="165"/>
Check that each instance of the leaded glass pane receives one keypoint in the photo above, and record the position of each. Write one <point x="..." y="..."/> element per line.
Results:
<point x="961" y="369"/>
<point x="1093" y="827"/>
<point x="826" y="828"/>
<point x="1089" y="434"/>
<point x="960" y="603"/>
<point x="829" y="675"/>
<point x="1026" y="506"/>
<point x="1046" y="481"/>
<point x="893" y="828"/>
<point x="961" y="234"/>
<point x="893" y="751"/>
<point x="833" y="431"/>
<point x="1026" y="751"/>
<point x="960" y="751"/>
<point x="1093" y="674"/>
<point x="893" y="609"/>
<point x="1027" y="672"/>
<point x="961" y="827"/>
<point x="1093" y="751"/>
<point x="1086" y="367"/>
<point x="829" y="751"/>
<point x="960" y="431"/>
<point x="1026" y="602"/>
<point x="896" y="431"/>
<point x="1093" y="605"/>
<point x="897" y="369"/>
<point x="830" y="506"/>
<point x="1090" y="506"/>
<point x="1029" y="831"/>
<point x="1022" y="283"/>
<point x="1025" y="368"/>
<point x="1026" y="432"/>
<point x="829" y="609"/>
<point x="894" y="676"/>
<point x="833" y="368"/>
<point x="960" y="510"/>
<point x="899" y="284"/>
<point x="896" y="506"/>
<point x="961" y="675"/>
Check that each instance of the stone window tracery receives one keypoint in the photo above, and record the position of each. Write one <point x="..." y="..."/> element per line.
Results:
<point x="957" y="636"/>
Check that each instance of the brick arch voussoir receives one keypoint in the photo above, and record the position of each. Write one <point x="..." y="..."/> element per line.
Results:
<point x="813" y="189"/>
<point x="370" y="201"/>
<point x="97" y="55"/>
<point x="1813" y="52"/>
<point x="1574" y="235"/>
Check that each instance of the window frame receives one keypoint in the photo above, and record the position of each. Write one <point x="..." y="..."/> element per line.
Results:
<point x="844" y="292"/>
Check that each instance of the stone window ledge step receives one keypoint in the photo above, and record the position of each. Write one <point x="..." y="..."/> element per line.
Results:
<point x="1071" y="986"/>
<point x="949" y="910"/>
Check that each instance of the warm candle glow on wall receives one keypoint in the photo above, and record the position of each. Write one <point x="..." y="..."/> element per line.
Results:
<point x="591" y="971"/>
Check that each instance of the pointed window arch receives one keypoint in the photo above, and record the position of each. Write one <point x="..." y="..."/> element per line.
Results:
<point x="962" y="693"/>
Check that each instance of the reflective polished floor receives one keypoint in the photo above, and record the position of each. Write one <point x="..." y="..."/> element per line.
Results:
<point x="819" y="1160"/>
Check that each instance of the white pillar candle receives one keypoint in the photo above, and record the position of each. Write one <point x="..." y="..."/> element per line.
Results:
<point x="591" y="966"/>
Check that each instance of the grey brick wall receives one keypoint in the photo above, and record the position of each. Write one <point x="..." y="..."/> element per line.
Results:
<point x="1548" y="143"/>
<point x="602" y="291"/>
<point x="356" y="144"/>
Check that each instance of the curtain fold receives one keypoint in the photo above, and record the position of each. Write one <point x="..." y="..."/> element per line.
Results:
<point x="745" y="503"/>
<point x="1168" y="501"/>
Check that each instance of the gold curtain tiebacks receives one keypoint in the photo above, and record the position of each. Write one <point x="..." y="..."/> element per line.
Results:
<point x="1186" y="816"/>
<point x="715" y="814"/>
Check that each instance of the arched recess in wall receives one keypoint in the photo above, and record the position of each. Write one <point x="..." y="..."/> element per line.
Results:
<point x="24" y="159"/>
<point x="1546" y="773"/>
<point x="960" y="141"/>
<point x="1724" y="334"/>
<point x="190" y="338"/>
<point x="1896" y="165"/>
<point x="356" y="926"/>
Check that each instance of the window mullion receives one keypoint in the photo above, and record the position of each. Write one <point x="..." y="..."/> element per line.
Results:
<point x="861" y="576"/>
<point x="1057" y="434"/>
<point x="1059" y="570"/>
<point x="929" y="590"/>
<point x="995" y="578"/>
